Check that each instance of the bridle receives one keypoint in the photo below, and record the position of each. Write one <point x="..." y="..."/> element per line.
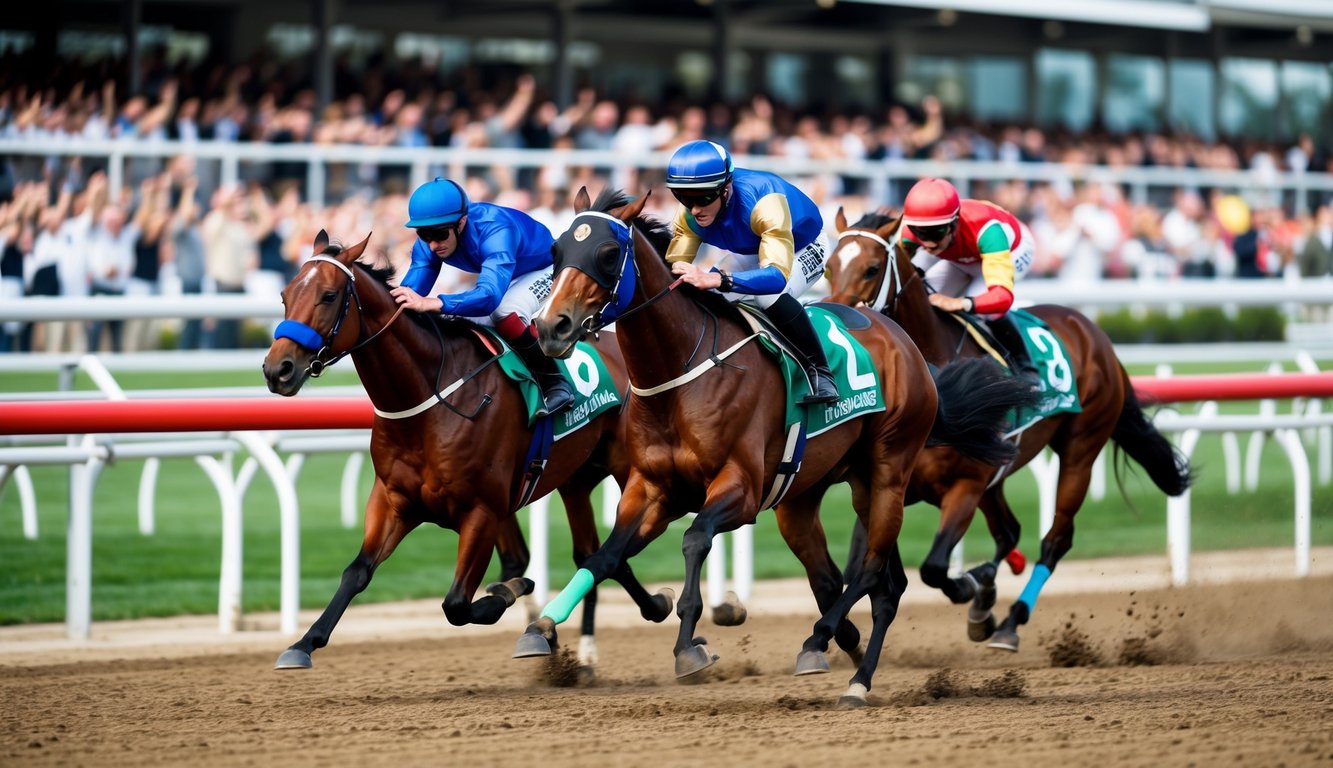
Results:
<point x="310" y="339"/>
<point x="882" y="301"/>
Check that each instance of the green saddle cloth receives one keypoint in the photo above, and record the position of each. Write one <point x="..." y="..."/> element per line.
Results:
<point x="1055" y="378"/>
<point x="853" y="371"/>
<point x="594" y="389"/>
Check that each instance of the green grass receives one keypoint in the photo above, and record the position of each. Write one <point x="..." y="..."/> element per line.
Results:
<point x="175" y="571"/>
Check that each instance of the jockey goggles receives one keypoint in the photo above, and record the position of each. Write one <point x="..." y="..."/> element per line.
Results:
<point x="932" y="234"/>
<point x="697" y="198"/>
<point x="437" y="233"/>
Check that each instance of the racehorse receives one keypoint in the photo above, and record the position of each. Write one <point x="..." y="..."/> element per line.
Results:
<point x="861" y="272"/>
<point x="448" y="443"/>
<point x="706" y="434"/>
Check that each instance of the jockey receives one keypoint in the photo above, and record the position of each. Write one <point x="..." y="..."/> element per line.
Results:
<point x="972" y="249"/>
<point x="510" y="253"/>
<point x="774" y="233"/>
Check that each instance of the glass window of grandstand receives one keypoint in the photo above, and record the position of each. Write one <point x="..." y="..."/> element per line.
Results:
<point x="1307" y="89"/>
<point x="856" y="81"/>
<point x="785" y="77"/>
<point x="998" y="88"/>
<point x="1134" y="93"/>
<point x="1190" y="107"/>
<point x="1249" y="98"/>
<point x="1066" y="87"/>
<point x="938" y="76"/>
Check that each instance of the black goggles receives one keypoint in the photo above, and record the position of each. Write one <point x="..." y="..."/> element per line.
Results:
<point x="436" y="234"/>
<point x="696" y="198"/>
<point x="932" y="234"/>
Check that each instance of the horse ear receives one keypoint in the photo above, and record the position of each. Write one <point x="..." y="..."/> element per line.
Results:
<point x="582" y="201"/>
<point x="889" y="229"/>
<point x="840" y="220"/>
<point x="629" y="212"/>
<point x="321" y="241"/>
<point x="354" y="253"/>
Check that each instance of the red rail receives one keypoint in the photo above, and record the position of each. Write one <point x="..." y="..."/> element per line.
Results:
<point x="209" y="415"/>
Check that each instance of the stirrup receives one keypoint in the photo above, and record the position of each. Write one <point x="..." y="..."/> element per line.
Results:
<point x="822" y="389"/>
<point x="555" y="399"/>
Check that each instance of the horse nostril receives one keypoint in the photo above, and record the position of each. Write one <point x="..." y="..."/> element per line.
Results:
<point x="285" y="371"/>
<point x="563" y="327"/>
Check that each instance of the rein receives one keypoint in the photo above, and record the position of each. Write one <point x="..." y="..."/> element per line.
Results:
<point x="309" y="338"/>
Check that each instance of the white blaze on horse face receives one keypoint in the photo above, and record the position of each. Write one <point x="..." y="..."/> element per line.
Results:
<point x="847" y="253"/>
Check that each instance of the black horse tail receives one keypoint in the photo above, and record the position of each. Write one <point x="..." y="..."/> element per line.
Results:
<point x="1135" y="435"/>
<point x="976" y="397"/>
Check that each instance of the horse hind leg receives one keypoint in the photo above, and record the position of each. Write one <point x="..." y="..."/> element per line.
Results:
<point x="514" y="556"/>
<point x="799" y="524"/>
<point x="476" y="538"/>
<point x="384" y="529"/>
<point x="1071" y="490"/>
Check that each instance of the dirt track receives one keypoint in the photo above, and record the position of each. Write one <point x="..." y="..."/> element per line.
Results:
<point x="1237" y="675"/>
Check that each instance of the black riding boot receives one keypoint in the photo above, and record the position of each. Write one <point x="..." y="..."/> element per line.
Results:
<point x="557" y="395"/>
<point x="790" y="318"/>
<point x="1007" y="333"/>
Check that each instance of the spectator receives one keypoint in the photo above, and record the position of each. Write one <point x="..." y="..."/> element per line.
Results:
<point x="188" y="257"/>
<point x="110" y="244"/>
<point x="1316" y="259"/>
<point x="150" y="221"/>
<point x="230" y="253"/>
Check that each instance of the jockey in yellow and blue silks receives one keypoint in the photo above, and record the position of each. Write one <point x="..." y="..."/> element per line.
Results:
<point x="775" y="237"/>
<point x="509" y="251"/>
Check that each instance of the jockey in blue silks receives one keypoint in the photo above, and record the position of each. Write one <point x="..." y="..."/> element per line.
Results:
<point x="509" y="251"/>
<point x="774" y="234"/>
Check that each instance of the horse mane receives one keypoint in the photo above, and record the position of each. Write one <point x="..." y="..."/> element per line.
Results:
<point x="873" y="221"/>
<point x="383" y="270"/>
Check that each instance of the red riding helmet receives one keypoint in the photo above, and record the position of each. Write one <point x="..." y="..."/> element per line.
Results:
<point x="931" y="203"/>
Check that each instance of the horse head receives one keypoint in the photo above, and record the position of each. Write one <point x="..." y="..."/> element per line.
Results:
<point x="322" y="317"/>
<point x="860" y="268"/>
<point x="594" y="272"/>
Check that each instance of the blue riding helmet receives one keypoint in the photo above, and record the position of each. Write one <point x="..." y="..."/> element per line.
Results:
<point x="436" y="203"/>
<point x="699" y="165"/>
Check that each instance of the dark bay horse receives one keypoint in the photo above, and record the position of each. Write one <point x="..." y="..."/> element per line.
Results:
<point x="706" y="434"/>
<point x="449" y="440"/>
<point x="862" y="272"/>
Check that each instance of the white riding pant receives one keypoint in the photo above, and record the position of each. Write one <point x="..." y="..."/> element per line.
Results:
<point x="524" y="297"/>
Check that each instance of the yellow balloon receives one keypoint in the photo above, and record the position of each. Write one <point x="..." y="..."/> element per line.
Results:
<point x="1233" y="214"/>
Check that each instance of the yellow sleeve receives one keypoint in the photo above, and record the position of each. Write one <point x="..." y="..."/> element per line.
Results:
<point x="997" y="268"/>
<point x="684" y="242"/>
<point x="771" y="220"/>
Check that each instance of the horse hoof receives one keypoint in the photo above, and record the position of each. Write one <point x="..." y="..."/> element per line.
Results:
<point x="1005" y="640"/>
<point x="854" y="698"/>
<point x="693" y="660"/>
<point x="531" y="644"/>
<point x="978" y="631"/>
<point x="293" y="658"/>
<point x="811" y="663"/>
<point x="663" y="602"/>
<point x="731" y="613"/>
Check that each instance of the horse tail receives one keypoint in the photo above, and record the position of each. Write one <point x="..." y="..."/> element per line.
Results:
<point x="1136" y="436"/>
<point x="976" y="397"/>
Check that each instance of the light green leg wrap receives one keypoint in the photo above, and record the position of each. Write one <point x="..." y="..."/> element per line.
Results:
<point x="563" y="604"/>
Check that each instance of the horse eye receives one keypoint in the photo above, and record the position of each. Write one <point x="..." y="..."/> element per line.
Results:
<point x="872" y="270"/>
<point x="608" y="256"/>
<point x="328" y="297"/>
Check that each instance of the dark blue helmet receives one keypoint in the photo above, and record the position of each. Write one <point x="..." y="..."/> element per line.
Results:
<point x="436" y="203"/>
<point x="700" y="165"/>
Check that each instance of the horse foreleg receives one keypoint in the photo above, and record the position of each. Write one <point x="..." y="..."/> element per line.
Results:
<point x="640" y="519"/>
<point x="957" y="508"/>
<point x="726" y="508"/>
<point x="1071" y="490"/>
<point x="799" y="524"/>
<point x="477" y="534"/>
<point x="514" y="555"/>
<point x="384" y="529"/>
<point x="885" y="597"/>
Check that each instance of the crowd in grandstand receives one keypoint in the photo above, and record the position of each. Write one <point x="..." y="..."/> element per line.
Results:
<point x="174" y="228"/>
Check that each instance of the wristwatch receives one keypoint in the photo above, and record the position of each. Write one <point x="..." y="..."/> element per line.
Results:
<point x="971" y="305"/>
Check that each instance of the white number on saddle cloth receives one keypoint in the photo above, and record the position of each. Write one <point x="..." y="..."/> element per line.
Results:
<point x="1059" y="375"/>
<point x="855" y="378"/>
<point x="583" y="370"/>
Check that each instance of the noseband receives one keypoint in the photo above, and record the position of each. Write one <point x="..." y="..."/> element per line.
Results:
<point x="309" y="338"/>
<point x="882" y="302"/>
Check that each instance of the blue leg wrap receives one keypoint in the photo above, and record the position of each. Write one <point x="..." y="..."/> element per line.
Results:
<point x="1038" y="580"/>
<point x="563" y="604"/>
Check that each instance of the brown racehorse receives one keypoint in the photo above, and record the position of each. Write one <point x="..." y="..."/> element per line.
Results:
<point x="706" y="434"/>
<point x="454" y="457"/>
<point x="861" y="272"/>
